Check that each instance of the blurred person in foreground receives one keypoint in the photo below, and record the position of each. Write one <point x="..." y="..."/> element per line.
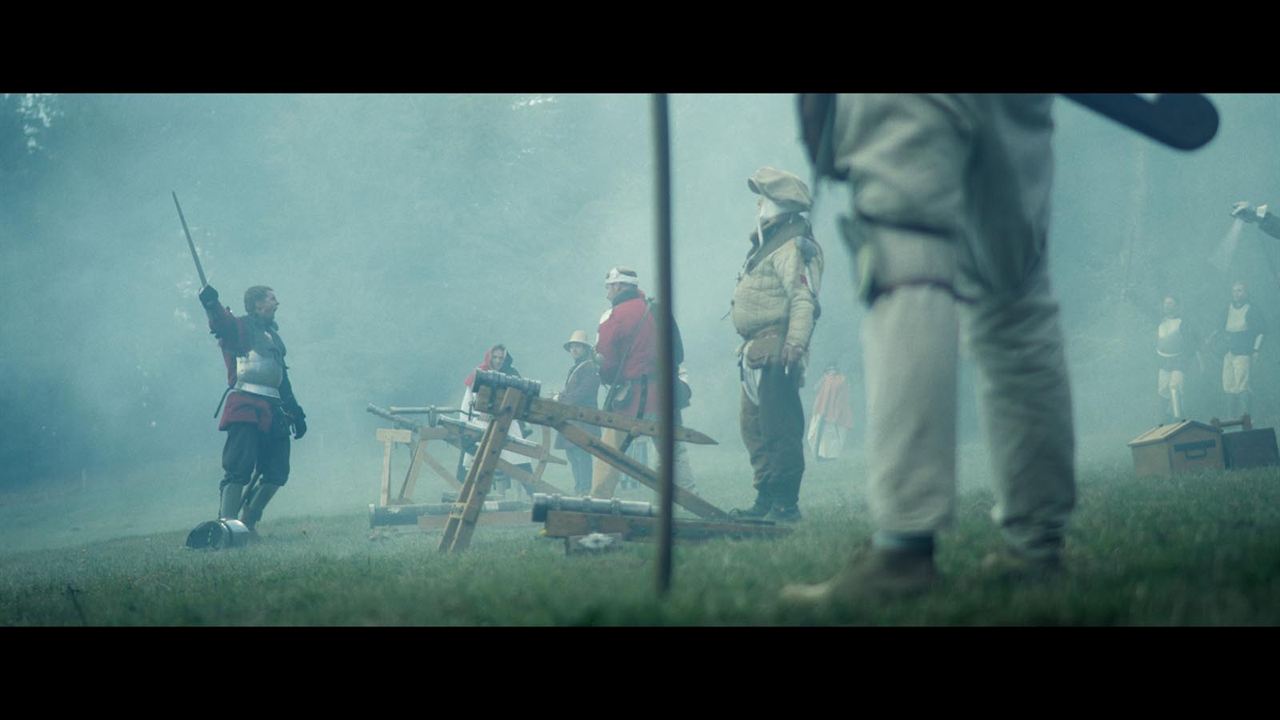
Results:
<point x="950" y="224"/>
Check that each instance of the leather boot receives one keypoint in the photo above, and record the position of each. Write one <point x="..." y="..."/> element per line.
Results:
<point x="762" y="506"/>
<point x="872" y="573"/>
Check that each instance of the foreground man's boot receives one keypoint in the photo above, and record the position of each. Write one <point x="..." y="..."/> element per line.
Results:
<point x="231" y="497"/>
<point x="870" y="574"/>
<point x="1010" y="565"/>
<point x="255" y="504"/>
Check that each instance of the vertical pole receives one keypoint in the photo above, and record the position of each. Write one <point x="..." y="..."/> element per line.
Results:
<point x="666" y="359"/>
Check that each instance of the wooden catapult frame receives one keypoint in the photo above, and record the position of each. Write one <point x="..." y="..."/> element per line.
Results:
<point x="458" y="435"/>
<point x="507" y="399"/>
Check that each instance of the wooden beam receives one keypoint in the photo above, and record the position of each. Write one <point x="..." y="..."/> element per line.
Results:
<point x="384" y="487"/>
<point x="637" y="470"/>
<point x="563" y="523"/>
<point x="462" y="523"/>
<point x="532" y="484"/>
<point x="550" y="412"/>
<point x="411" y="476"/>
<point x="472" y="434"/>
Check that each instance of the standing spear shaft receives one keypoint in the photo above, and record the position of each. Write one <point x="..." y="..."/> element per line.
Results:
<point x="190" y="244"/>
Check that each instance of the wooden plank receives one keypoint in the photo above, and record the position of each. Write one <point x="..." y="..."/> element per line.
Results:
<point x="461" y="524"/>
<point x="550" y="412"/>
<point x="637" y="470"/>
<point x="562" y="523"/>
<point x="530" y="450"/>
<point x="411" y="477"/>
<point x="384" y="489"/>
<point x="531" y="483"/>
<point x="394" y="435"/>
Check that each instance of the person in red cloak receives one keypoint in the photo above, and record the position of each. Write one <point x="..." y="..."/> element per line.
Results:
<point x="832" y="416"/>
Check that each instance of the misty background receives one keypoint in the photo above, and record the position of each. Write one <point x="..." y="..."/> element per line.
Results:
<point x="406" y="234"/>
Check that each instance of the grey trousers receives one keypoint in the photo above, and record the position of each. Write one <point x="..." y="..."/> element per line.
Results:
<point x="951" y="209"/>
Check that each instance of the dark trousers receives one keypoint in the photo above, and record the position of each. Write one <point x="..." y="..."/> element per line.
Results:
<point x="248" y="448"/>
<point x="580" y="464"/>
<point x="773" y="432"/>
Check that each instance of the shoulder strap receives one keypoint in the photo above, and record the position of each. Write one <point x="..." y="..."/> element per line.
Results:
<point x="793" y="229"/>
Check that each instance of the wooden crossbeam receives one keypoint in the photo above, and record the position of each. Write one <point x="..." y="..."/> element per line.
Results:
<point x="549" y="412"/>
<point x="462" y="521"/>
<point x="637" y="470"/>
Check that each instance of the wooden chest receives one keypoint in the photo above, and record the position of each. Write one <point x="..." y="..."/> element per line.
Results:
<point x="1182" y="447"/>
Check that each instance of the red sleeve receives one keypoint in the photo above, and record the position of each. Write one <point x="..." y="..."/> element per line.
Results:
<point x="228" y="329"/>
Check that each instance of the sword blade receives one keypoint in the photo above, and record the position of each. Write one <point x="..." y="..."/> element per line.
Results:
<point x="190" y="243"/>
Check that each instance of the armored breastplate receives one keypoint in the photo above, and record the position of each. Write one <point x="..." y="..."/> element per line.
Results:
<point x="261" y="371"/>
<point x="258" y="374"/>
<point x="1169" y="337"/>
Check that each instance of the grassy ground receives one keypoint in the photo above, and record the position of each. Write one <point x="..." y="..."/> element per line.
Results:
<point x="1196" y="550"/>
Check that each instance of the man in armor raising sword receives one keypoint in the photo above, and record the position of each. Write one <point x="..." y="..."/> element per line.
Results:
<point x="260" y="408"/>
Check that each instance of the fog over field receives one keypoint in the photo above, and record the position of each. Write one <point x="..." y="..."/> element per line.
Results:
<point x="406" y="234"/>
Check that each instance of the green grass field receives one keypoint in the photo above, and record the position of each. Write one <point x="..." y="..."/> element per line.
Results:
<point x="1195" y="550"/>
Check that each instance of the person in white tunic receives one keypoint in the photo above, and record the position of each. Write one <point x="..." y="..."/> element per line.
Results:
<point x="1175" y="351"/>
<point x="1243" y="327"/>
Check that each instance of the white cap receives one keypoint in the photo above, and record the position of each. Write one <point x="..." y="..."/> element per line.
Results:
<point x="621" y="275"/>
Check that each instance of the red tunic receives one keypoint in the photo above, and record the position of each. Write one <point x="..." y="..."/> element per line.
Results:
<point x="234" y="338"/>
<point x="615" y="336"/>
<point x="832" y="403"/>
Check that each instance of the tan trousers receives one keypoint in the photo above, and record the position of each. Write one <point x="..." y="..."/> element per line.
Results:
<point x="605" y="477"/>
<point x="1235" y="374"/>
<point x="951" y="194"/>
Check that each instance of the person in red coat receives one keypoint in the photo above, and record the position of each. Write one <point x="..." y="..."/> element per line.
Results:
<point x="832" y="416"/>
<point x="259" y="409"/>
<point x="627" y="349"/>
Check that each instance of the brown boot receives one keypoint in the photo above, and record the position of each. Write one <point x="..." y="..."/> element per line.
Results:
<point x="1009" y="565"/>
<point x="870" y="574"/>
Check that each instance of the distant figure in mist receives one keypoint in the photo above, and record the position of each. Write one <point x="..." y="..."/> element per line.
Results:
<point x="581" y="388"/>
<point x="950" y="225"/>
<point x="832" y="415"/>
<point x="1176" y="349"/>
<point x="496" y="359"/>
<point x="1243" y="328"/>
<point x="1265" y="220"/>
<point x="775" y="308"/>
<point x="260" y="408"/>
